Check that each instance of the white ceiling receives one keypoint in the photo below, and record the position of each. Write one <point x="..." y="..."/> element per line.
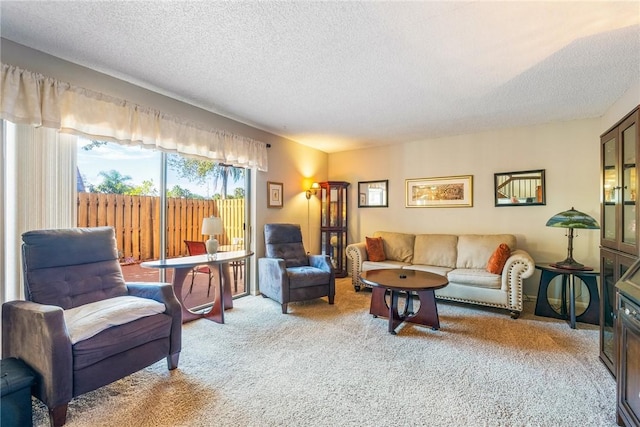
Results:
<point x="344" y="75"/>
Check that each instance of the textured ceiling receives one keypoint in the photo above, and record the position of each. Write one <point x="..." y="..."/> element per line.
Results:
<point x="345" y="75"/>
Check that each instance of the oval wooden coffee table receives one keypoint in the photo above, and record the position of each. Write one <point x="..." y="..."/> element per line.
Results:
<point x="397" y="282"/>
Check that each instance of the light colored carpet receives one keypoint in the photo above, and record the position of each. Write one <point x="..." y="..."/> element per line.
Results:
<point x="324" y="365"/>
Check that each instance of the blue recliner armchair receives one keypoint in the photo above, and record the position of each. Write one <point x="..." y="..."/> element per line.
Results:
<point x="287" y="273"/>
<point x="69" y="276"/>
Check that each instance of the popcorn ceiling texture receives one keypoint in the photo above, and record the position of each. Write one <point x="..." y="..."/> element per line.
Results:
<point x="336" y="365"/>
<point x="342" y="75"/>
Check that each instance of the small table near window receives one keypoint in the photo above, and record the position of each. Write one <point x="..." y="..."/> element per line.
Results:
<point x="182" y="267"/>
<point x="587" y="276"/>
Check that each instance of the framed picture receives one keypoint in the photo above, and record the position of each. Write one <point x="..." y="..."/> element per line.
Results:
<point x="274" y="194"/>
<point x="523" y="188"/>
<point x="441" y="192"/>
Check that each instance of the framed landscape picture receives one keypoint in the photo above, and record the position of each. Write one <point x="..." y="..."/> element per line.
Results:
<point x="440" y="192"/>
<point x="274" y="194"/>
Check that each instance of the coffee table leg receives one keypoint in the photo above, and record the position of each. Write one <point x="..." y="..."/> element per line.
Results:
<point x="378" y="306"/>
<point x="428" y="312"/>
<point x="394" y="317"/>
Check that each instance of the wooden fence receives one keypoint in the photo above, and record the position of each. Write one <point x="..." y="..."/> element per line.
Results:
<point x="136" y="220"/>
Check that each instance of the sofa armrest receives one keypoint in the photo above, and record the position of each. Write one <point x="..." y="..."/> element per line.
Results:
<point x="272" y="277"/>
<point x="37" y="334"/>
<point x="357" y="253"/>
<point x="519" y="266"/>
<point x="163" y="293"/>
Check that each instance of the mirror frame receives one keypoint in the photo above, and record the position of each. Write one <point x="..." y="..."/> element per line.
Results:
<point x="363" y="187"/>
<point x="537" y="200"/>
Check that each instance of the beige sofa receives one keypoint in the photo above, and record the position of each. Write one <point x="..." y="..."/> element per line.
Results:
<point x="462" y="258"/>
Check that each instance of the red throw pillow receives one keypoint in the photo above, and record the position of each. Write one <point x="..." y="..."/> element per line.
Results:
<point x="375" y="249"/>
<point x="498" y="259"/>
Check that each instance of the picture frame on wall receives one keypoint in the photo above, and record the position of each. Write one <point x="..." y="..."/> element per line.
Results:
<point x="274" y="194"/>
<point x="440" y="192"/>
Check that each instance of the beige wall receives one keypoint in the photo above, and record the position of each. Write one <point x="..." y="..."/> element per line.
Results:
<point x="568" y="151"/>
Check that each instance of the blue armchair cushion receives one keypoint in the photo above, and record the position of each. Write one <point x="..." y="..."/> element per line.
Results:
<point x="71" y="267"/>
<point x="285" y="241"/>
<point x="301" y="277"/>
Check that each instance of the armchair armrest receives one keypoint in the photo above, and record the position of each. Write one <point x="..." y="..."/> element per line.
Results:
<point x="519" y="266"/>
<point x="162" y="292"/>
<point x="272" y="274"/>
<point x="357" y="253"/>
<point x="320" y="261"/>
<point x="37" y="334"/>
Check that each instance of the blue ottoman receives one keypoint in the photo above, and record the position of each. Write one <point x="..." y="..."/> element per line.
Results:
<point x="16" y="379"/>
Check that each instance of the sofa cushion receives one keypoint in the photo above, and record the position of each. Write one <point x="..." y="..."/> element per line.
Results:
<point x="397" y="246"/>
<point x="436" y="249"/>
<point x="474" y="250"/>
<point x="371" y="265"/>
<point x="478" y="277"/>
<point x="375" y="249"/>
<point x="429" y="269"/>
<point x="498" y="259"/>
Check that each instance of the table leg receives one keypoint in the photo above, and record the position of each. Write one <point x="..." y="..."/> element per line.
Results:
<point x="378" y="306"/>
<point x="179" y="275"/>
<point x="394" y="317"/>
<point x="572" y="302"/>
<point x="427" y="314"/>
<point x="223" y="299"/>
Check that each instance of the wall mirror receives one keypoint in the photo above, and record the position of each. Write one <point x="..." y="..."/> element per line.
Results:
<point x="523" y="188"/>
<point x="373" y="194"/>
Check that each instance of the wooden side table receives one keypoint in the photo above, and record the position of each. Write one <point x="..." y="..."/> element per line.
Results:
<point x="588" y="276"/>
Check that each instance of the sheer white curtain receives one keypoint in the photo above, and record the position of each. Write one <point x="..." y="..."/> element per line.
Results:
<point x="38" y="191"/>
<point x="31" y="98"/>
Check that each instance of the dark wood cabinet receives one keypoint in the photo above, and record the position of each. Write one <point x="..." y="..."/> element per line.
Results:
<point x="613" y="265"/>
<point x="619" y="221"/>
<point x="628" y="348"/>
<point x="333" y="224"/>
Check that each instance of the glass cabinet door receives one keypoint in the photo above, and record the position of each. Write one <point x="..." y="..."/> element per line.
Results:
<point x="629" y="187"/>
<point x="609" y="191"/>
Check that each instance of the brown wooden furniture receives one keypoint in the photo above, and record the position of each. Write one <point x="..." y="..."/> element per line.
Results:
<point x="628" y="347"/>
<point x="586" y="276"/>
<point x="620" y="221"/>
<point x="183" y="266"/>
<point x="333" y="224"/>
<point x="397" y="282"/>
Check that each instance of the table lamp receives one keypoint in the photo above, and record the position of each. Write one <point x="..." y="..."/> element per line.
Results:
<point x="211" y="226"/>
<point x="571" y="219"/>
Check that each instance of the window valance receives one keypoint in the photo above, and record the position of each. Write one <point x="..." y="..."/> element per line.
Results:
<point x="37" y="100"/>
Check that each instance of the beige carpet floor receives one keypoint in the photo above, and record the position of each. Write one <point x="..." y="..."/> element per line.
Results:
<point x="325" y="365"/>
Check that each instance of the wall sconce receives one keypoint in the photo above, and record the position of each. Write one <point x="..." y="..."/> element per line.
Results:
<point x="313" y="190"/>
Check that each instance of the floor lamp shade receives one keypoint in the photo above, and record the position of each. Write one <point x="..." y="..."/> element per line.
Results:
<point x="571" y="219"/>
<point x="211" y="226"/>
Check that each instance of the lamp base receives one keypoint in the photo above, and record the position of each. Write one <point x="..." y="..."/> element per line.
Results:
<point x="570" y="264"/>
<point x="212" y="246"/>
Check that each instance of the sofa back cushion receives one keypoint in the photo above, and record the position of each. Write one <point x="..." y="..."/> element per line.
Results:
<point x="474" y="250"/>
<point x="436" y="249"/>
<point x="397" y="246"/>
